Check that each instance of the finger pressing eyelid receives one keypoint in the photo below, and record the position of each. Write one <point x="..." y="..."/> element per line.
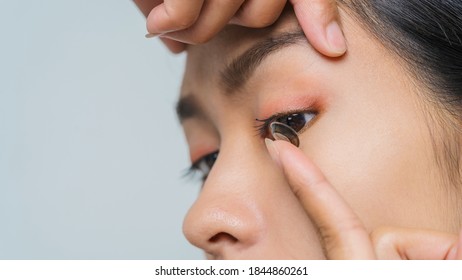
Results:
<point x="342" y="233"/>
<point x="320" y="22"/>
<point x="173" y="15"/>
<point x="258" y="13"/>
<point x="214" y="16"/>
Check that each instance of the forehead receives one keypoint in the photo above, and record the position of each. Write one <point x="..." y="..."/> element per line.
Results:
<point x="206" y="61"/>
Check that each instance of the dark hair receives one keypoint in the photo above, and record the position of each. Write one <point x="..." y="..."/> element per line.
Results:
<point x="427" y="35"/>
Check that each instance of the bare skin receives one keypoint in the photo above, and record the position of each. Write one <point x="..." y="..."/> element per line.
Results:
<point x="363" y="184"/>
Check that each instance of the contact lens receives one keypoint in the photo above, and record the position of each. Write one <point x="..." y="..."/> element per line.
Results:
<point x="281" y="131"/>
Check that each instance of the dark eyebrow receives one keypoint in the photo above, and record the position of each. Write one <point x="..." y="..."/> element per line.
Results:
<point x="187" y="107"/>
<point x="238" y="72"/>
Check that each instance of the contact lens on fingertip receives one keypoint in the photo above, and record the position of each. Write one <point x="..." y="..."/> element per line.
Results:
<point x="280" y="131"/>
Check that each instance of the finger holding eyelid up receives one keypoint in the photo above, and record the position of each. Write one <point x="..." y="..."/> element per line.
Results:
<point x="214" y="15"/>
<point x="319" y="20"/>
<point x="342" y="233"/>
<point x="258" y="13"/>
<point x="172" y="15"/>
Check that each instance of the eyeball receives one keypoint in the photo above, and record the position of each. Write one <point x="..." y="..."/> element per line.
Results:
<point x="281" y="131"/>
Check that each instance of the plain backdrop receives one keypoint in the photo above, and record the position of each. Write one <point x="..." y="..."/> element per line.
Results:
<point x="91" y="153"/>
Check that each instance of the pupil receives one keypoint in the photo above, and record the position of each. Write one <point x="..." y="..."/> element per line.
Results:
<point x="295" y="121"/>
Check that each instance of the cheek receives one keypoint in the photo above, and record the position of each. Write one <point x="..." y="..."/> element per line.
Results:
<point x="372" y="146"/>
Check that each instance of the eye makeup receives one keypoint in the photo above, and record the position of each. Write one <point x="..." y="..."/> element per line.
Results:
<point x="284" y="126"/>
<point x="203" y="165"/>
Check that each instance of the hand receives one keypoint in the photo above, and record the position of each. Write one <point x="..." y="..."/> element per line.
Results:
<point x="343" y="234"/>
<point x="180" y="22"/>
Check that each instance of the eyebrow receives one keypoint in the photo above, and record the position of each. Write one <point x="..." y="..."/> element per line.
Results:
<point x="236" y="74"/>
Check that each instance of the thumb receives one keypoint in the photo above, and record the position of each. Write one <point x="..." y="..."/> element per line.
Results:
<point x="319" y="21"/>
<point x="415" y="244"/>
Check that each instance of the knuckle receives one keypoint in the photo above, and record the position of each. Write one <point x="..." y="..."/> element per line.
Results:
<point x="352" y="226"/>
<point x="329" y="238"/>
<point x="337" y="237"/>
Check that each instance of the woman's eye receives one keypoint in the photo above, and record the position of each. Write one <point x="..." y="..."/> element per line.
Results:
<point x="205" y="164"/>
<point x="296" y="121"/>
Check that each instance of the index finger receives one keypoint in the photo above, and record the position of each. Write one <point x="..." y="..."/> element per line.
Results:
<point x="343" y="234"/>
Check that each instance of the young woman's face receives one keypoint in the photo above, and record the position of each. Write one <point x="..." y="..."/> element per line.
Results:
<point x="365" y="129"/>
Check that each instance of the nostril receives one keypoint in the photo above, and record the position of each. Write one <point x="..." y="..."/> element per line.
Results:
<point x="223" y="237"/>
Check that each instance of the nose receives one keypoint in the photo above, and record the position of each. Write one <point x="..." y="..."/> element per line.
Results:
<point x="228" y="217"/>
<point x="223" y="233"/>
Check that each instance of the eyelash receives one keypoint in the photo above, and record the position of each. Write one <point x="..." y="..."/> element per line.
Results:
<point x="262" y="130"/>
<point x="194" y="169"/>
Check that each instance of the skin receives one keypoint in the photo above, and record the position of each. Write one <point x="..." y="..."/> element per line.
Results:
<point x="179" y="22"/>
<point x="364" y="182"/>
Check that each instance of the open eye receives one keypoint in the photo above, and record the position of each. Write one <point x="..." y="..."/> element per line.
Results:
<point x="204" y="164"/>
<point x="296" y="121"/>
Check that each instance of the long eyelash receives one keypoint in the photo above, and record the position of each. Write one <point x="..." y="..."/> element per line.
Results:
<point x="192" y="170"/>
<point x="262" y="128"/>
<point x="189" y="172"/>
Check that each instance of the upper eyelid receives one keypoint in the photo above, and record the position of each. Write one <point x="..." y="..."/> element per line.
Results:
<point x="264" y="123"/>
<point x="287" y="113"/>
<point x="195" y="164"/>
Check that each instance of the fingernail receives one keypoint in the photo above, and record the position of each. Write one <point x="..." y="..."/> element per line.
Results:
<point x="335" y="38"/>
<point x="151" y="35"/>
<point x="273" y="151"/>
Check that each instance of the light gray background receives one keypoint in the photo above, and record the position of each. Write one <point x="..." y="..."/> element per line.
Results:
<point x="90" y="151"/>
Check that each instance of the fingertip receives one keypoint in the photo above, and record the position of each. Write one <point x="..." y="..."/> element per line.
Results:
<point x="152" y="19"/>
<point x="284" y="154"/>
<point x="335" y="39"/>
<point x="272" y="150"/>
<point x="319" y="20"/>
<point x="287" y="152"/>
<point x="295" y="164"/>
<point x="174" y="46"/>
